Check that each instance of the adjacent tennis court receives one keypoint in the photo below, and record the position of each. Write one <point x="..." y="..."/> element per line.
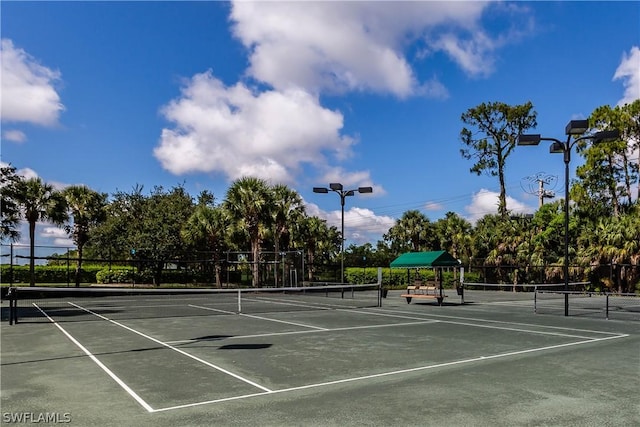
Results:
<point x="316" y="359"/>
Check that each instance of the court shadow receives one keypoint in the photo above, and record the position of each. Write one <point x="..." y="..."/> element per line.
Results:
<point x="244" y="346"/>
<point x="212" y="337"/>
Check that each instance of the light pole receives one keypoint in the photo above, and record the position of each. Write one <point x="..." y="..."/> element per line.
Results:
<point x="573" y="128"/>
<point x="336" y="187"/>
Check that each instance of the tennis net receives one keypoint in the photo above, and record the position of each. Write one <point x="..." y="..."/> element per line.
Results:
<point x="81" y="304"/>
<point x="525" y="287"/>
<point x="619" y="306"/>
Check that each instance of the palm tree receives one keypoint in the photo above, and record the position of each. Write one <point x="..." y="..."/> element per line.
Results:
<point x="413" y="232"/>
<point x="317" y="238"/>
<point x="249" y="202"/>
<point x="455" y="234"/>
<point x="287" y="210"/>
<point x="208" y="224"/>
<point x="615" y="241"/>
<point x="39" y="201"/>
<point x="87" y="208"/>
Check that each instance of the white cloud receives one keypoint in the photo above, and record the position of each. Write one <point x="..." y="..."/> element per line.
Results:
<point x="472" y="55"/>
<point x="345" y="46"/>
<point x="14" y="135"/>
<point x="238" y="132"/>
<point x="485" y="202"/>
<point x="360" y="225"/>
<point x="300" y="50"/>
<point x="28" y="92"/>
<point x="629" y="72"/>
<point x="350" y="180"/>
<point x="27" y="173"/>
<point x="58" y="236"/>
<point x="433" y="206"/>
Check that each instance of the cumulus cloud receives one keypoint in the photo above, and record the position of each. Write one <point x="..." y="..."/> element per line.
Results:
<point x="28" y="88"/>
<point x="629" y="72"/>
<point x="14" y="135"/>
<point x="57" y="235"/>
<point x="346" y="46"/>
<point x="360" y="225"/>
<point x="239" y="132"/>
<point x="349" y="180"/>
<point x="300" y="50"/>
<point x="485" y="202"/>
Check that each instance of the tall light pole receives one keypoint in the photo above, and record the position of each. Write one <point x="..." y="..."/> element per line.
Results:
<point x="573" y="128"/>
<point x="336" y="187"/>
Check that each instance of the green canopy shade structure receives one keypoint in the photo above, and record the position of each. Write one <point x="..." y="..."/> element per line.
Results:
<point x="425" y="260"/>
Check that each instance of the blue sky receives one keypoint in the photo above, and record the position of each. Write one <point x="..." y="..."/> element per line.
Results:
<point x="115" y="94"/>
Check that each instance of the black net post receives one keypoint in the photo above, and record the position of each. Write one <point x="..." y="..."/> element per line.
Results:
<point x="13" y="310"/>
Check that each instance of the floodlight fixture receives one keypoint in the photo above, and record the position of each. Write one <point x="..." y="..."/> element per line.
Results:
<point x="576" y="127"/>
<point x="529" y="139"/>
<point x="338" y="188"/>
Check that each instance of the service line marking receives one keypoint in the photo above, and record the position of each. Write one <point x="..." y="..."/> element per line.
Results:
<point x="386" y="374"/>
<point x="191" y="356"/>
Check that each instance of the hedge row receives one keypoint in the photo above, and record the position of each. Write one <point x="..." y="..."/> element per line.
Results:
<point x="392" y="278"/>
<point x="47" y="274"/>
<point x="398" y="278"/>
<point x="97" y="274"/>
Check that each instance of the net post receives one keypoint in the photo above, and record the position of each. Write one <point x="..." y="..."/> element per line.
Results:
<point x="239" y="301"/>
<point x="12" y="305"/>
<point x="606" y="311"/>
<point x="535" y="299"/>
<point x="379" y="286"/>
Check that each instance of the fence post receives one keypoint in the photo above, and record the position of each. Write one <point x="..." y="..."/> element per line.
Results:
<point x="11" y="265"/>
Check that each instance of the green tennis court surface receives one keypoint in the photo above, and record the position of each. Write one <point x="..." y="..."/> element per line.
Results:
<point x="489" y="362"/>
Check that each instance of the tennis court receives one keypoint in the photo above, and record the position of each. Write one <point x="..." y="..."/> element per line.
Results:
<point x="491" y="361"/>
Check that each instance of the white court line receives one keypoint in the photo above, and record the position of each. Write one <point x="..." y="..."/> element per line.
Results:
<point x="211" y="309"/>
<point x="258" y="317"/>
<point x="121" y="383"/>
<point x="386" y="374"/>
<point x="317" y="305"/>
<point x="517" y="303"/>
<point x="283" y="321"/>
<point x="275" y="334"/>
<point x="476" y="325"/>
<point x="346" y="380"/>
<point x="197" y="359"/>
<point x="285" y="302"/>
<point x="470" y="319"/>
